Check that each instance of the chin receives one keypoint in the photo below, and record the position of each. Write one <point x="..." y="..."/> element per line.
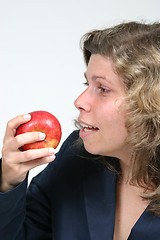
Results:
<point x="91" y="149"/>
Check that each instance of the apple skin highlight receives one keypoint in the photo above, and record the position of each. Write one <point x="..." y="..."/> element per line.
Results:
<point x="45" y="122"/>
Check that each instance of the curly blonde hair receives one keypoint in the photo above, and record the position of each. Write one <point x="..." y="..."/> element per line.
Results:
<point x="134" y="49"/>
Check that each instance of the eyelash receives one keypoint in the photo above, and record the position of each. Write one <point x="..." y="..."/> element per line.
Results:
<point x="104" y="90"/>
<point x="85" y="84"/>
<point x="101" y="88"/>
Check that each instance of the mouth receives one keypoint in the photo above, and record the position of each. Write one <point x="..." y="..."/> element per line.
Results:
<point x="87" y="128"/>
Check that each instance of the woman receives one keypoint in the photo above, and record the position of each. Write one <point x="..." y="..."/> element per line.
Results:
<point x="108" y="186"/>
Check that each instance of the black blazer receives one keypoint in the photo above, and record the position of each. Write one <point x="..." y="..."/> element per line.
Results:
<point x="73" y="198"/>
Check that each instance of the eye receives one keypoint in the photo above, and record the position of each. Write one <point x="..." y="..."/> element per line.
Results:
<point x="104" y="90"/>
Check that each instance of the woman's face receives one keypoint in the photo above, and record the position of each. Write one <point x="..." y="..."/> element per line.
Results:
<point x="102" y="110"/>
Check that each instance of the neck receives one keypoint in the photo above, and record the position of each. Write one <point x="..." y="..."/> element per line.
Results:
<point x="126" y="169"/>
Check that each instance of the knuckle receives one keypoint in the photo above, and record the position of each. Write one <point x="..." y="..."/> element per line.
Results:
<point x="7" y="161"/>
<point x="17" y="170"/>
<point x="3" y="151"/>
<point x="9" y="124"/>
<point x="27" y="155"/>
<point x="18" y="141"/>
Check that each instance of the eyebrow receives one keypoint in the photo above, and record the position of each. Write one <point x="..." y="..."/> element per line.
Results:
<point x="97" y="76"/>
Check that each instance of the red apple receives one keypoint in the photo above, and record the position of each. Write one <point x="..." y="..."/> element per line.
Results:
<point x="42" y="121"/>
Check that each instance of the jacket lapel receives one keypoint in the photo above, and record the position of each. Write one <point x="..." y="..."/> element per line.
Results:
<point x="99" y="195"/>
<point x="100" y="203"/>
<point x="146" y="228"/>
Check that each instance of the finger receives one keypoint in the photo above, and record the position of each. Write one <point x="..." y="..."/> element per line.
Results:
<point x="26" y="138"/>
<point x="37" y="162"/>
<point x="14" y="123"/>
<point x="34" y="154"/>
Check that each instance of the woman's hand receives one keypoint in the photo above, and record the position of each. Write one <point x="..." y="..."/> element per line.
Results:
<point x="16" y="163"/>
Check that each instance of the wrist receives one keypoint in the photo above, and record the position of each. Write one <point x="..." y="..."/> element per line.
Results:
<point x="5" y="187"/>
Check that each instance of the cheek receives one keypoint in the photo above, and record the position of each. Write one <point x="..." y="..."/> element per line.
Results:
<point x="108" y="112"/>
<point x="114" y="118"/>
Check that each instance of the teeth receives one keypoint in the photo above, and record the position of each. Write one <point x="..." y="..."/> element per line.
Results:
<point x="88" y="126"/>
<point x="87" y="130"/>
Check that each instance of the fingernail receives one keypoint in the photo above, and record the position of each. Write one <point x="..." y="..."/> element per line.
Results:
<point x="51" y="151"/>
<point x="42" y="135"/>
<point x="51" y="158"/>
<point x="27" y="116"/>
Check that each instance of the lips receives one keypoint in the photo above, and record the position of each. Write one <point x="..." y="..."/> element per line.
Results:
<point x="86" y="129"/>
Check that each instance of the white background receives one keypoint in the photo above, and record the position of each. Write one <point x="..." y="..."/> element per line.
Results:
<point x="41" y="64"/>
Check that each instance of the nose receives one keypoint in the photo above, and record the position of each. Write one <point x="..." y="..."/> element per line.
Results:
<point x="82" y="103"/>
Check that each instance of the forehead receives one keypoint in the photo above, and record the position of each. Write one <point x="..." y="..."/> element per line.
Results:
<point x="100" y="64"/>
<point x="103" y="67"/>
